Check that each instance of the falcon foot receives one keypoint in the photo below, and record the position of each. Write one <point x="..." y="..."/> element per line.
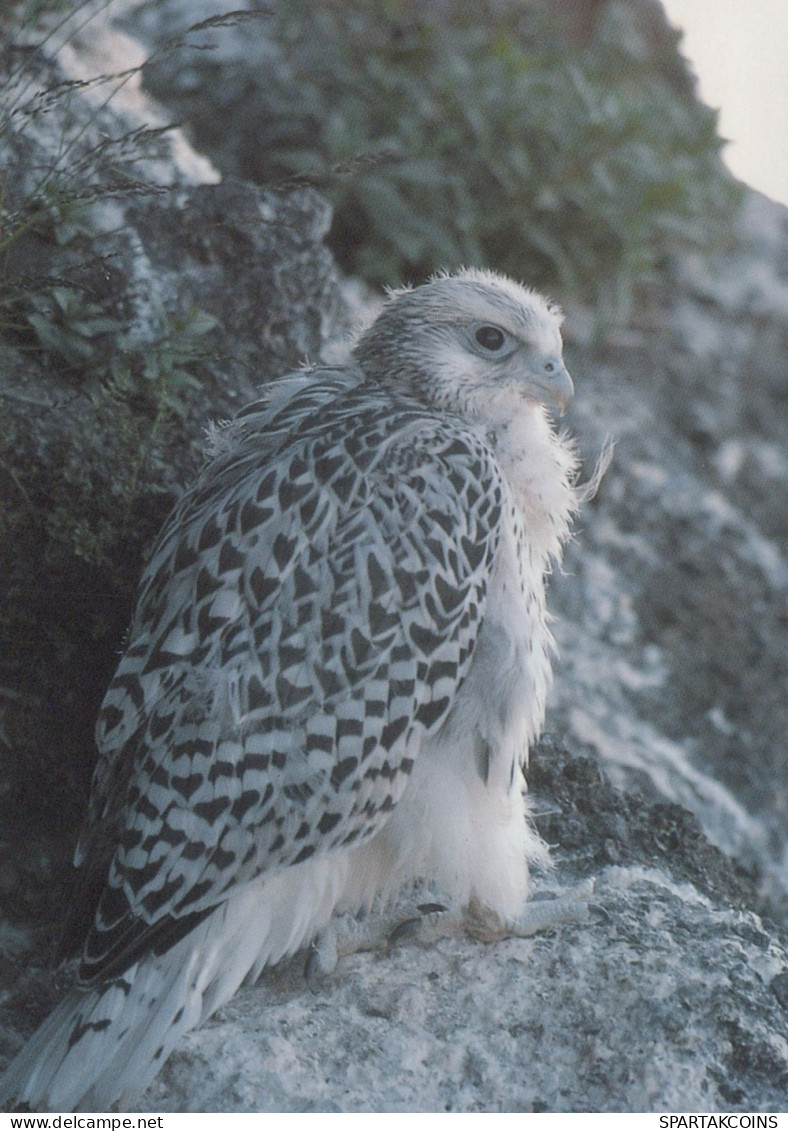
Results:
<point x="347" y="934"/>
<point x="432" y="921"/>
<point x="481" y="923"/>
<point x="344" y="935"/>
<point x="541" y="915"/>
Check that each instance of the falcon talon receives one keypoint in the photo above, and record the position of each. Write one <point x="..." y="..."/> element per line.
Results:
<point x="314" y="971"/>
<point x="339" y="658"/>
<point x="406" y="931"/>
<point x="433" y="922"/>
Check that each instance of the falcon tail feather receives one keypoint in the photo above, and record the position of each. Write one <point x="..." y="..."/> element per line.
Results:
<point x="101" y="1047"/>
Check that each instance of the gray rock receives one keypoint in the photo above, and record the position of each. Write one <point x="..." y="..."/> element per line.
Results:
<point x="672" y="626"/>
<point x="666" y="1005"/>
<point x="672" y="676"/>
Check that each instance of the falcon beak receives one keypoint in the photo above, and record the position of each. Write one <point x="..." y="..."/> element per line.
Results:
<point x="554" y="390"/>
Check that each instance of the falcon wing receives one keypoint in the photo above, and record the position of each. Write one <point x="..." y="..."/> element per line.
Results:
<point x="307" y="616"/>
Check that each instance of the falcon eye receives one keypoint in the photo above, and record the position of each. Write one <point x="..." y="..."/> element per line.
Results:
<point x="490" y="338"/>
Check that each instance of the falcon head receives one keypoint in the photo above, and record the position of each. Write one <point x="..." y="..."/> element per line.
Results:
<point x="472" y="342"/>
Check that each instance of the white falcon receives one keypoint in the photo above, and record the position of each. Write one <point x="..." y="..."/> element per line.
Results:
<point x="339" y="658"/>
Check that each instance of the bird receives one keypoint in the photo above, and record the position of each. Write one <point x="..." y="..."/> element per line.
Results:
<point x="339" y="660"/>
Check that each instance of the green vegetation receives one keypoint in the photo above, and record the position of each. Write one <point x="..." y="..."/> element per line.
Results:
<point x="507" y="135"/>
<point x="94" y="400"/>
<point x="62" y="307"/>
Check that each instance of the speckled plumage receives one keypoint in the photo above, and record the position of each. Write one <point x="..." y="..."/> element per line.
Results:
<point x="339" y="657"/>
